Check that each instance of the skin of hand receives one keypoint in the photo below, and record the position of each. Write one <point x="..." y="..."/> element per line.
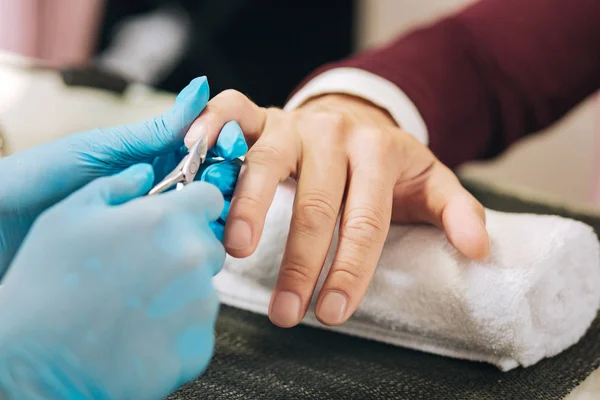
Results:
<point x="35" y="179"/>
<point x="352" y="161"/>
<point x="110" y="296"/>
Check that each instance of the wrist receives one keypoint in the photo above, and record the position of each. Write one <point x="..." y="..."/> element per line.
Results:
<point x="357" y="109"/>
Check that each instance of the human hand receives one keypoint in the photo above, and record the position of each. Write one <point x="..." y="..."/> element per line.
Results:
<point x="110" y="295"/>
<point x="347" y="157"/>
<point x="33" y="180"/>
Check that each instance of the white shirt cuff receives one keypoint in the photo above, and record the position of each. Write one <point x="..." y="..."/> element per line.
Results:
<point x="370" y="87"/>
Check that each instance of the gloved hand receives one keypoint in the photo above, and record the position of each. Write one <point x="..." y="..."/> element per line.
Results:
<point x="222" y="168"/>
<point x="33" y="180"/>
<point x="109" y="298"/>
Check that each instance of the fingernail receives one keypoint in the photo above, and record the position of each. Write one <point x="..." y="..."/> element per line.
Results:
<point x="333" y="308"/>
<point x="285" y="310"/>
<point x="196" y="88"/>
<point x="197" y="130"/>
<point x="487" y="245"/>
<point x="238" y="235"/>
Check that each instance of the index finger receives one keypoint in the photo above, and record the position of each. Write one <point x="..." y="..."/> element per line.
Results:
<point x="229" y="105"/>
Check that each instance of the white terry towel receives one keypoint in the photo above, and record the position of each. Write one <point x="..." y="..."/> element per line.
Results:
<point x="537" y="295"/>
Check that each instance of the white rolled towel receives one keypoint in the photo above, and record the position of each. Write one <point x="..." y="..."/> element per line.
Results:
<point x="535" y="297"/>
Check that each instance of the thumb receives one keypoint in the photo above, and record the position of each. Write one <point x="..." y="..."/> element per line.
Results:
<point x="114" y="190"/>
<point x="163" y="134"/>
<point x="172" y="126"/>
<point x="463" y="221"/>
<point x="458" y="213"/>
<point x="444" y="203"/>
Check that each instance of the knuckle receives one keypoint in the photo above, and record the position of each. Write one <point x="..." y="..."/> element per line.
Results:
<point x="346" y="272"/>
<point x="232" y="97"/>
<point x="248" y="207"/>
<point x="265" y="155"/>
<point x="296" y="272"/>
<point x="330" y="121"/>
<point x="190" y="256"/>
<point x="162" y="129"/>
<point x="246" y="201"/>
<point x="314" y="210"/>
<point x="381" y="142"/>
<point x="154" y="216"/>
<point x="364" y="226"/>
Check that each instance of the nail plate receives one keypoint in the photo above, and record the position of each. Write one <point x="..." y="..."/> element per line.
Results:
<point x="285" y="309"/>
<point x="333" y="308"/>
<point x="238" y="235"/>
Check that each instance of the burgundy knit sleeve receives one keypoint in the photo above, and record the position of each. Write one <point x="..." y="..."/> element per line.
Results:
<point x="497" y="71"/>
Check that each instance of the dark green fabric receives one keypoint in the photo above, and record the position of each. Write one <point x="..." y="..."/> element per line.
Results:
<point x="255" y="360"/>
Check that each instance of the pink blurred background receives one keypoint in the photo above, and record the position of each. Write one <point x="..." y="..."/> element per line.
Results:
<point x="60" y="32"/>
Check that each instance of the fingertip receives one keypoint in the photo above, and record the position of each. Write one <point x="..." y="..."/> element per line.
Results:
<point x="231" y="143"/>
<point x="190" y="102"/>
<point x="238" y="238"/>
<point x="196" y="92"/>
<point x="474" y="245"/>
<point x="224" y="175"/>
<point x="332" y="308"/>
<point x="464" y="224"/>
<point x="120" y="188"/>
<point x="285" y="309"/>
<point x="143" y="173"/>
<point x="197" y="130"/>
<point x="208" y="196"/>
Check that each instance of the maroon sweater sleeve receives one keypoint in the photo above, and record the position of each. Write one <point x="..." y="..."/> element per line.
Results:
<point x="494" y="72"/>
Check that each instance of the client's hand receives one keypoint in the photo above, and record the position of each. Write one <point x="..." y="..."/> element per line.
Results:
<point x="348" y="157"/>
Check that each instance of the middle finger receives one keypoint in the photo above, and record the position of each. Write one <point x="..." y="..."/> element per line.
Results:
<point x="319" y="194"/>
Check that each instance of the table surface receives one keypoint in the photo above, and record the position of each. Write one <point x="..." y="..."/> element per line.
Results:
<point x="36" y="107"/>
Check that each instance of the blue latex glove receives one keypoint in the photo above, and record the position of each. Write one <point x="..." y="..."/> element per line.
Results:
<point x="222" y="168"/>
<point x="35" y="179"/>
<point x="109" y="298"/>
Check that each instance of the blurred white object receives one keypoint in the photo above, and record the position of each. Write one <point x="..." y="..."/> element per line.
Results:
<point x="36" y="106"/>
<point x="147" y="47"/>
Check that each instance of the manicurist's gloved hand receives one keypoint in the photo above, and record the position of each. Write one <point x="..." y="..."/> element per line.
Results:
<point x="222" y="168"/>
<point x="110" y="295"/>
<point x="35" y="179"/>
